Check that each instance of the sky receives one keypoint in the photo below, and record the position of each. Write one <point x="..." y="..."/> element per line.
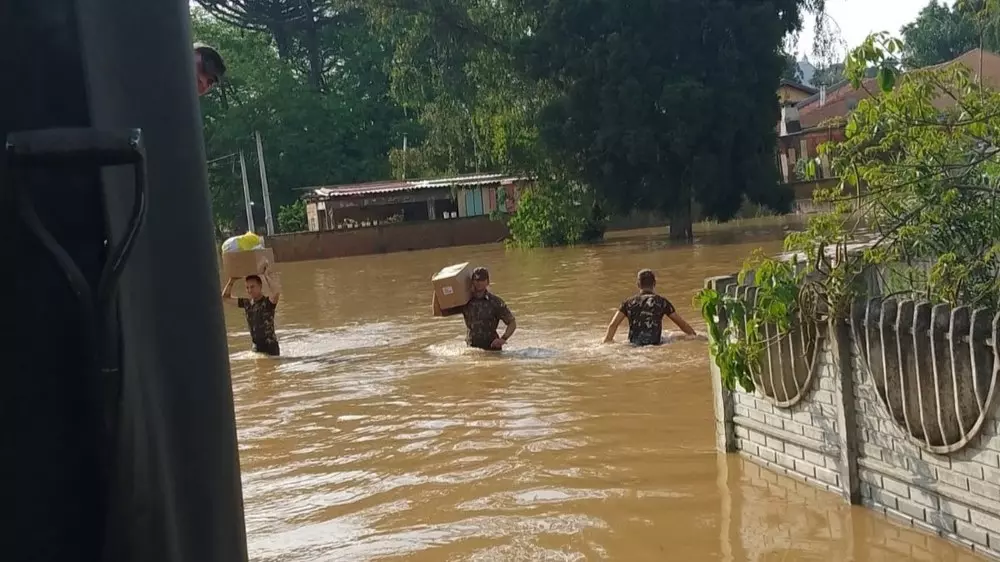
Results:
<point x="858" y="18"/>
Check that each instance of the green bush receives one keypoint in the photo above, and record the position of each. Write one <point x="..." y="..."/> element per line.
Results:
<point x="292" y="217"/>
<point x="556" y="213"/>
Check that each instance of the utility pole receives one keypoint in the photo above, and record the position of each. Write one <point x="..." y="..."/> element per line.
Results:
<point x="246" y="193"/>
<point x="404" y="156"/>
<point x="268" y="219"/>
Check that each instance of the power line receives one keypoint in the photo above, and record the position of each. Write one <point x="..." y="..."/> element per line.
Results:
<point x="233" y="155"/>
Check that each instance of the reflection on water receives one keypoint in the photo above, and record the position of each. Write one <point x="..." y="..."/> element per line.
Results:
<point x="380" y="436"/>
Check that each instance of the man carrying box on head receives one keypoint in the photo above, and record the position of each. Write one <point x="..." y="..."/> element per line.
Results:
<point x="483" y="314"/>
<point x="259" y="310"/>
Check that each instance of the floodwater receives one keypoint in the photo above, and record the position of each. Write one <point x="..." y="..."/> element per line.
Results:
<point x="379" y="436"/>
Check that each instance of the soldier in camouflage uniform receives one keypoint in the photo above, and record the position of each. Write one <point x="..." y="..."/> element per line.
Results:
<point x="645" y="312"/>
<point x="259" y="311"/>
<point x="483" y="315"/>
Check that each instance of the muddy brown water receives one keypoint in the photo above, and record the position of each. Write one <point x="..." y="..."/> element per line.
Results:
<point x="379" y="436"/>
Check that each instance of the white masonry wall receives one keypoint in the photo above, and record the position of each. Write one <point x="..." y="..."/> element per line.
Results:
<point x="841" y="438"/>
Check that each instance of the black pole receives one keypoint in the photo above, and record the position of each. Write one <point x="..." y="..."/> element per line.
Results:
<point x="175" y="493"/>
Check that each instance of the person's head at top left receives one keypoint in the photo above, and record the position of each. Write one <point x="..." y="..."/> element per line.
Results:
<point x="255" y="287"/>
<point x="209" y="68"/>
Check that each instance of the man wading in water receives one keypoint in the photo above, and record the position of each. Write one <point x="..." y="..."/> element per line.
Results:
<point x="483" y="314"/>
<point x="645" y="312"/>
<point x="259" y="310"/>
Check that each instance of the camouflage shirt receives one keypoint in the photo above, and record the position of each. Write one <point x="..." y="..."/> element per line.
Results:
<point x="645" y="313"/>
<point x="482" y="316"/>
<point x="260" y="320"/>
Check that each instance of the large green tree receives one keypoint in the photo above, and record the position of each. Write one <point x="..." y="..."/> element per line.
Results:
<point x="645" y="104"/>
<point x="653" y="104"/>
<point x="304" y="31"/>
<point x="661" y="103"/>
<point x="455" y="68"/>
<point x="940" y="33"/>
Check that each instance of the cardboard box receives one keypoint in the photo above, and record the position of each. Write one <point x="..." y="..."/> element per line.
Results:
<point x="452" y="286"/>
<point x="241" y="264"/>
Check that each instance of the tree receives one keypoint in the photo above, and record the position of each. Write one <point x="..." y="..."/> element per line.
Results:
<point x="921" y="174"/>
<point x="339" y="135"/>
<point x="920" y="178"/>
<point x="829" y="75"/>
<point x="792" y="71"/>
<point x="292" y="217"/>
<point x="454" y="67"/>
<point x="301" y="28"/>
<point x="940" y="33"/>
<point x="614" y="96"/>
<point x="636" y="115"/>
<point x="556" y="213"/>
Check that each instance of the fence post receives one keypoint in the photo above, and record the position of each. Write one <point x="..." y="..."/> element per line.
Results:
<point x="847" y="429"/>
<point x="725" y="430"/>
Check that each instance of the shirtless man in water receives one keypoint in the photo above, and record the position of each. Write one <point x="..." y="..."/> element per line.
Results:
<point x="645" y="312"/>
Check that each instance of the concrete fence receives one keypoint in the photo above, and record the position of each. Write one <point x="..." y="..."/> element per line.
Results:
<point x="892" y="408"/>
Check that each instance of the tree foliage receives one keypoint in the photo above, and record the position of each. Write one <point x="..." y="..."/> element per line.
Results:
<point x="791" y="71"/>
<point x="556" y="213"/>
<point x="338" y="135"/>
<point x="941" y="33"/>
<point x="302" y="29"/>
<point x="738" y="346"/>
<point x="920" y="179"/>
<point x="829" y="75"/>
<point x="454" y="68"/>
<point x="637" y="116"/>
<point x="292" y="217"/>
<point x="642" y="105"/>
<point x="924" y="150"/>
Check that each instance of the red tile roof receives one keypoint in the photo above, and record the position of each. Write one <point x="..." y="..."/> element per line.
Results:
<point x="842" y="98"/>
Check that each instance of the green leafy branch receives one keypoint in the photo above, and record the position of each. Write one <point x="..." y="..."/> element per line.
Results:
<point x="737" y="329"/>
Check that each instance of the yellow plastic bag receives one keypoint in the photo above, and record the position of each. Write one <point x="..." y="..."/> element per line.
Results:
<point x="243" y="243"/>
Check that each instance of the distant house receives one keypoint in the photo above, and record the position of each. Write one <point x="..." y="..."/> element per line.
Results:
<point x="821" y="117"/>
<point x="362" y="205"/>
<point x="790" y="92"/>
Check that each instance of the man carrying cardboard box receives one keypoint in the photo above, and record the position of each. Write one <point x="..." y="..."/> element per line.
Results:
<point x="483" y="314"/>
<point x="259" y="310"/>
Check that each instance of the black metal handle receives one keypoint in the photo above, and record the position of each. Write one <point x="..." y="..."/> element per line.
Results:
<point x="75" y="148"/>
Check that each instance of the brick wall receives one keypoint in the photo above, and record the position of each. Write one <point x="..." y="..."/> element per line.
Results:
<point x="841" y="438"/>
<point x="800" y="441"/>
<point x="401" y="237"/>
<point x="956" y="496"/>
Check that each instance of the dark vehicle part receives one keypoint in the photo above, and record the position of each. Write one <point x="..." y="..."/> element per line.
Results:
<point x="140" y="464"/>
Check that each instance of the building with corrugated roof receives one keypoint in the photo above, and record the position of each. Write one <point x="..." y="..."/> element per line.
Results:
<point x="340" y="207"/>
